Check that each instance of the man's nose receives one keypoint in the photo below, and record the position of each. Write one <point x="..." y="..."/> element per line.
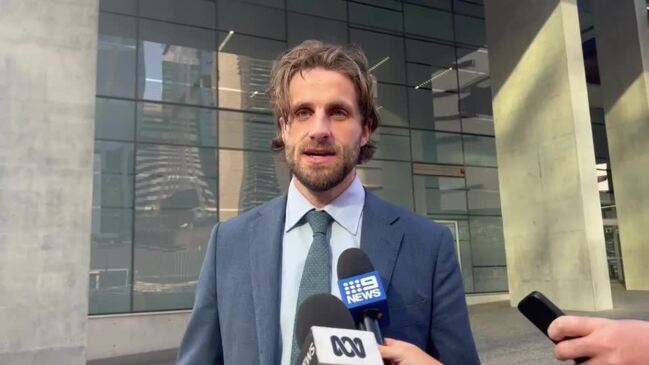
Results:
<point x="320" y="126"/>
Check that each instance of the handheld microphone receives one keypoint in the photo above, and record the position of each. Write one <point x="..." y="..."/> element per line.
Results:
<point x="362" y="291"/>
<point x="325" y="332"/>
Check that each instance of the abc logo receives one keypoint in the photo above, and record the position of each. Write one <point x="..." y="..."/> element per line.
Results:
<point x="347" y="346"/>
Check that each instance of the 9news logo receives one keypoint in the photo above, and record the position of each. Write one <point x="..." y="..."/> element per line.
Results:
<point x="358" y="290"/>
<point x="349" y="347"/>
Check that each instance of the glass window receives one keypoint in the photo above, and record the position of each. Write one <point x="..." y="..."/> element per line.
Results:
<point x="251" y="19"/>
<point x="470" y="30"/>
<point x="393" y="143"/>
<point x="466" y="265"/>
<point x="436" y="147"/>
<point x="478" y="125"/>
<point x="110" y="261"/>
<point x="490" y="279"/>
<point x="112" y="190"/>
<point x="272" y="3"/>
<point x="476" y="59"/>
<point x="389" y="4"/>
<point x="244" y="71"/>
<point x="441" y="4"/>
<point x="169" y="249"/>
<point x="175" y="161"/>
<point x="336" y="9"/>
<point x="438" y="79"/>
<point x="113" y="158"/>
<point x="375" y="17"/>
<point x="468" y="8"/>
<point x="428" y="22"/>
<point x="597" y="115"/>
<point x="389" y="180"/>
<point x="303" y="27"/>
<point x="479" y="150"/>
<point x="118" y="6"/>
<point x="392" y="105"/>
<point x="191" y="12"/>
<point x="475" y="98"/>
<point x="248" y="179"/>
<point x="483" y="191"/>
<point x="600" y="141"/>
<point x="473" y="66"/>
<point x="487" y="241"/>
<point x="384" y="53"/>
<point x="114" y="119"/>
<point x="177" y="63"/>
<point x="246" y="131"/>
<point x="175" y="191"/>
<point x="439" y="195"/>
<point x="433" y="110"/>
<point x="165" y="123"/>
<point x="116" y="52"/>
<point x="430" y="53"/>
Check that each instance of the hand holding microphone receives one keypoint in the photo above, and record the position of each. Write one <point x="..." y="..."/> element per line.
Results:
<point x="403" y="353"/>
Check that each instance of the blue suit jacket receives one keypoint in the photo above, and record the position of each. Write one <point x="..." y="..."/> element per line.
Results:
<point x="236" y="313"/>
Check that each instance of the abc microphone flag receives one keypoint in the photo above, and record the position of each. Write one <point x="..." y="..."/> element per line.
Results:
<point x="325" y="332"/>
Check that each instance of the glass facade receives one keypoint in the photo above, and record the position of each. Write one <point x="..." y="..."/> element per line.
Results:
<point x="183" y="129"/>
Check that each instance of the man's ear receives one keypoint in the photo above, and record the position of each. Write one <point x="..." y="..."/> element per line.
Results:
<point x="366" y="133"/>
<point x="283" y="127"/>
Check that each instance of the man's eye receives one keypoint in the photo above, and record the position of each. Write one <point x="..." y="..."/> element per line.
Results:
<point x="302" y="114"/>
<point x="339" y="114"/>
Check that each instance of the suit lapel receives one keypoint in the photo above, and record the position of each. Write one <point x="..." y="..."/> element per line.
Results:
<point x="381" y="236"/>
<point x="265" y="267"/>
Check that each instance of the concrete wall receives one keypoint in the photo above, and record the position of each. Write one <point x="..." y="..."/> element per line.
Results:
<point x="120" y="335"/>
<point x="47" y="84"/>
<point x="552" y="223"/>
<point x="622" y="36"/>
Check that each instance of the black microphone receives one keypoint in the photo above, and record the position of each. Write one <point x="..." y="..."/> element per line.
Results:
<point x="362" y="291"/>
<point x="326" y="335"/>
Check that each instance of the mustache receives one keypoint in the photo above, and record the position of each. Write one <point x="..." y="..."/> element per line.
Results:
<point x="320" y="146"/>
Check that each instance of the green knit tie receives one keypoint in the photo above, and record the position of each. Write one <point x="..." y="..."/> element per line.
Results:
<point x="316" y="277"/>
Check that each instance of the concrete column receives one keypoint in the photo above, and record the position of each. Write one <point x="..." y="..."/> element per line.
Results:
<point x="622" y="36"/>
<point x="48" y="52"/>
<point x="554" y="237"/>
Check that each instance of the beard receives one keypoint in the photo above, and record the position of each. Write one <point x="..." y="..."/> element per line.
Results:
<point x="321" y="178"/>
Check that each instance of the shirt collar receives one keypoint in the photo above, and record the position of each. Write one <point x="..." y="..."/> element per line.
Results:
<point x="346" y="209"/>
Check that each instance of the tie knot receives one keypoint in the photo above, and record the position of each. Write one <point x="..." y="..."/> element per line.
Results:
<point x="319" y="220"/>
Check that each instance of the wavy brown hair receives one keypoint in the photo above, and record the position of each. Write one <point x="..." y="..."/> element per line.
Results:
<point x="347" y="60"/>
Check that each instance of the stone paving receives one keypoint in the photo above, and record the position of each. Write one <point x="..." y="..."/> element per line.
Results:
<point x="502" y="335"/>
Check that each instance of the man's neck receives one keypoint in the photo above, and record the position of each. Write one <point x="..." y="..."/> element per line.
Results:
<point x="320" y="199"/>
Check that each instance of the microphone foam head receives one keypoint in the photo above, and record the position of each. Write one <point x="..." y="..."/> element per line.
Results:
<point x="352" y="262"/>
<point x="323" y="310"/>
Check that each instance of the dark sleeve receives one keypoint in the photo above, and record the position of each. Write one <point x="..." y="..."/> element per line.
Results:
<point x="201" y="343"/>
<point x="451" y="340"/>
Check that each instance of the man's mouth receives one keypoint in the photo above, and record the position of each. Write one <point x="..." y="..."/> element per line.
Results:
<point x="319" y="153"/>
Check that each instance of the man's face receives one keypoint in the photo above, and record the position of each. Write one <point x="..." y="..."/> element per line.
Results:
<point x="324" y="133"/>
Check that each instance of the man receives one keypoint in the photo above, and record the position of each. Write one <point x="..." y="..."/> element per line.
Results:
<point x="261" y="265"/>
<point x="603" y="341"/>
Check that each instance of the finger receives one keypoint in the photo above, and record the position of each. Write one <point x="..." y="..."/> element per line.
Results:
<point x="573" y="348"/>
<point x="572" y="326"/>
<point x="392" y="342"/>
<point x="390" y="353"/>
<point x="391" y="350"/>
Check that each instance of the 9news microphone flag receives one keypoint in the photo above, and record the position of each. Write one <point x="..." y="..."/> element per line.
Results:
<point x="362" y="292"/>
